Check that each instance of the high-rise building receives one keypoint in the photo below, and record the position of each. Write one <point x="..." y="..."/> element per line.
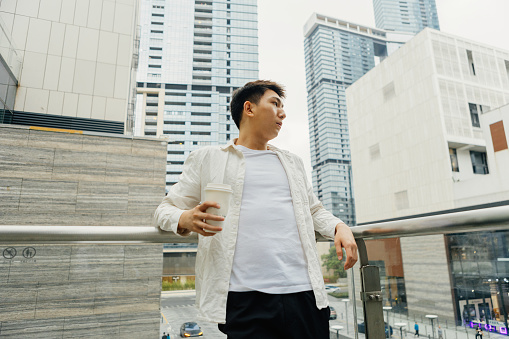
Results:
<point x="428" y="132"/>
<point x="410" y="16"/>
<point x="337" y="53"/>
<point x="193" y="54"/>
<point x="72" y="62"/>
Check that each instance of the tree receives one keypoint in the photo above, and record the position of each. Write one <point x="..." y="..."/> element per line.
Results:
<point x="331" y="262"/>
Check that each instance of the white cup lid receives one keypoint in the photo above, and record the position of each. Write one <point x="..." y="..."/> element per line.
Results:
<point x="220" y="187"/>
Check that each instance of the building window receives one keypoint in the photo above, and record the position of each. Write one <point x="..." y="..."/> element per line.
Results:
<point x="402" y="201"/>
<point x="474" y="115"/>
<point x="470" y="62"/>
<point x="507" y="68"/>
<point x="389" y="91"/>
<point x="454" y="160"/>
<point x="479" y="162"/>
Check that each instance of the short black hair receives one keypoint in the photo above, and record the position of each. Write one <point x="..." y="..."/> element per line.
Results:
<point x="252" y="91"/>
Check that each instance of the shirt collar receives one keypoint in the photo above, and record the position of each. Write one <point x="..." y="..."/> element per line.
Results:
<point x="231" y="144"/>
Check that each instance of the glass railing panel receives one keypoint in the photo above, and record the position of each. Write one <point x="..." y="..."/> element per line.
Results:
<point x="345" y="317"/>
<point x="340" y="293"/>
<point x="447" y="285"/>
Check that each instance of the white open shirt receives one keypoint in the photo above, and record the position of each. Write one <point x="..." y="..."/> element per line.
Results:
<point x="215" y="254"/>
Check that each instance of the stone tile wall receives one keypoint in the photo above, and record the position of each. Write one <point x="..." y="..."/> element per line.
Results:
<point x="75" y="290"/>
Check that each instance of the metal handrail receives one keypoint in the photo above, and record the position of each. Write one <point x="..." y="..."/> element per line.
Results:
<point x="486" y="219"/>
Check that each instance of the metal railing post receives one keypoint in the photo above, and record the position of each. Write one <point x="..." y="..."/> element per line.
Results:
<point x="371" y="295"/>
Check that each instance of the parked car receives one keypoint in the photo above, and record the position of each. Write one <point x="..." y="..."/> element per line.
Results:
<point x="361" y="327"/>
<point x="333" y="315"/>
<point x="190" y="329"/>
<point x="332" y="288"/>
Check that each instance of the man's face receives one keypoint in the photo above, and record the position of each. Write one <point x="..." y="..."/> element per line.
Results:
<point x="268" y="115"/>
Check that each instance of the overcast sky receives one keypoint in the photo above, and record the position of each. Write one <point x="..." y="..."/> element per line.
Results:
<point x="281" y="46"/>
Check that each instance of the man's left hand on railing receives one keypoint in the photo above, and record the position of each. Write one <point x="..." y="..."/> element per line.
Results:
<point x="344" y="238"/>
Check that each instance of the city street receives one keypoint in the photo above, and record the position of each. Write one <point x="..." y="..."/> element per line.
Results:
<point x="177" y="307"/>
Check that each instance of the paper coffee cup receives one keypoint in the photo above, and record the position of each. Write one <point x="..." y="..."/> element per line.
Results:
<point x="220" y="193"/>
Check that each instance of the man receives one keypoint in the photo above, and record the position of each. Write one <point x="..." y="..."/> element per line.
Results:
<point x="416" y="328"/>
<point x="259" y="276"/>
<point x="478" y="332"/>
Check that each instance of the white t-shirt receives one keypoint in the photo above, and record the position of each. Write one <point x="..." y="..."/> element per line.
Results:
<point x="268" y="255"/>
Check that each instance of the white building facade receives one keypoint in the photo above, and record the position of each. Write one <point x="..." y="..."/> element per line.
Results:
<point x="77" y="63"/>
<point x="428" y="131"/>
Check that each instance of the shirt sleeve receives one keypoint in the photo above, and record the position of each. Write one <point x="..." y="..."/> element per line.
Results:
<point x="184" y="195"/>
<point x="324" y="222"/>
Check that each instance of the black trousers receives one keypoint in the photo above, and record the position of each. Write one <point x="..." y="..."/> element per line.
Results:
<point x="257" y="315"/>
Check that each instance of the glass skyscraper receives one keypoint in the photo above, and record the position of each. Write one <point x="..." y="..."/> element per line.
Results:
<point x="337" y="53"/>
<point x="193" y="54"/>
<point x="406" y="15"/>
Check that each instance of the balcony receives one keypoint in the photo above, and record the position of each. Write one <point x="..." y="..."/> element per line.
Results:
<point x="201" y="48"/>
<point x="203" y="6"/>
<point x="202" y="64"/>
<point x="203" y="23"/>
<point x="198" y="54"/>
<point x="202" y="39"/>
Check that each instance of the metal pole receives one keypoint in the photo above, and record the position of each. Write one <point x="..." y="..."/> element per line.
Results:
<point x="346" y="307"/>
<point x="371" y="295"/>
<point x="354" y="308"/>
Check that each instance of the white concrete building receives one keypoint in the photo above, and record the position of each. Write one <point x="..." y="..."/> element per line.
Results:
<point x="415" y="111"/>
<point x="77" y="62"/>
<point x="428" y="131"/>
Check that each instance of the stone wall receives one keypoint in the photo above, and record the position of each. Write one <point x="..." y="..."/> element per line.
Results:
<point x="74" y="290"/>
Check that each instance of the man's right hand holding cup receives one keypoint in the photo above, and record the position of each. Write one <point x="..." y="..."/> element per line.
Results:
<point x="194" y="220"/>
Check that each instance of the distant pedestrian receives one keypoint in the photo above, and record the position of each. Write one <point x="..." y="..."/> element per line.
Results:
<point x="165" y="336"/>
<point x="440" y="334"/>
<point x="416" y="328"/>
<point x="478" y="334"/>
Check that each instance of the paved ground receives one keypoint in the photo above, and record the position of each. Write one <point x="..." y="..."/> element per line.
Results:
<point x="178" y="307"/>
